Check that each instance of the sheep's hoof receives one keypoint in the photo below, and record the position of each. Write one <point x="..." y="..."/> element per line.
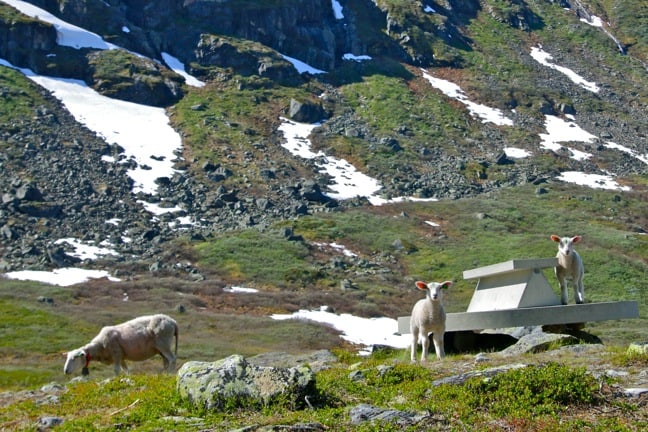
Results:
<point x="85" y="371"/>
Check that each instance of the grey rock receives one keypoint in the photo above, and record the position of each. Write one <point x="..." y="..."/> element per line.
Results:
<point x="638" y="348"/>
<point x="486" y="373"/>
<point x="45" y="423"/>
<point x="233" y="382"/>
<point x="538" y="342"/>
<point x="299" y="427"/>
<point x="305" y="111"/>
<point x="369" y="413"/>
<point x="317" y="360"/>
<point x="635" y="392"/>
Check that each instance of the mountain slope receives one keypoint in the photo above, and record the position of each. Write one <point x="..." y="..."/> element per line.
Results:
<point x="382" y="111"/>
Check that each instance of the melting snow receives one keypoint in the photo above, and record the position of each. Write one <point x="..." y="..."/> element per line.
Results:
<point x="450" y="89"/>
<point x="357" y="330"/>
<point x="60" y="277"/>
<point x="303" y="67"/>
<point x="544" y="58"/>
<point x="85" y="251"/>
<point x="516" y="153"/>
<point x="592" y="180"/>
<point x="347" y="181"/>
<point x="238" y="289"/>
<point x="337" y="9"/>
<point x="357" y="58"/>
<point x="178" y="67"/>
<point x="593" y="21"/>
<point x="559" y="130"/>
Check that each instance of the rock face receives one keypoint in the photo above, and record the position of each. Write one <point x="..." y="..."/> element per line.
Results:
<point x="233" y="382"/>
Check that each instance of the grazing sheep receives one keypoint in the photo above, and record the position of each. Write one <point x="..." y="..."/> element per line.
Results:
<point x="570" y="266"/>
<point x="428" y="316"/>
<point x="136" y="340"/>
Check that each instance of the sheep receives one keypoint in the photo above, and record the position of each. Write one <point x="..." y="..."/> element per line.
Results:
<point x="136" y="340"/>
<point x="570" y="266"/>
<point x="428" y="316"/>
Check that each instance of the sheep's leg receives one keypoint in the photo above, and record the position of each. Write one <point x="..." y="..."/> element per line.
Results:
<point x="118" y="361"/>
<point x="437" y="338"/>
<point x="425" y="343"/>
<point x="563" y="291"/>
<point x="168" y="359"/>
<point x="414" y="344"/>
<point x="579" y="291"/>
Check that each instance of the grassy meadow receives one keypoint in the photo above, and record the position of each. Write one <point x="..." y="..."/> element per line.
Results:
<point x="511" y="224"/>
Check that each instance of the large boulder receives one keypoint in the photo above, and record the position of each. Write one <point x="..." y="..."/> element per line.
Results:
<point x="305" y="111"/>
<point x="233" y="382"/>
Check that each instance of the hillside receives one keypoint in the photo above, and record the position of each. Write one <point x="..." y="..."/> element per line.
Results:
<point x="480" y="111"/>
<point x="381" y="108"/>
<point x="322" y="155"/>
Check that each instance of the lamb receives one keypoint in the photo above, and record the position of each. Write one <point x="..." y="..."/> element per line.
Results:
<point x="136" y="340"/>
<point x="428" y="316"/>
<point x="570" y="266"/>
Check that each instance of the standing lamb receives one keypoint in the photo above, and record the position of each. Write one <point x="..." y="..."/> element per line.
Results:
<point x="570" y="266"/>
<point x="428" y="316"/>
<point x="136" y="340"/>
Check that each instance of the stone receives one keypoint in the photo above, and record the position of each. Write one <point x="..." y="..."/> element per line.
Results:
<point x="234" y="382"/>
<point x="49" y="422"/>
<point x="538" y="342"/>
<point x="369" y="413"/>
<point x="305" y="111"/>
<point x="640" y="348"/>
<point x="486" y="373"/>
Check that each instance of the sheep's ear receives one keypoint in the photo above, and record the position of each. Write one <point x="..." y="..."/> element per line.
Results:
<point x="421" y="285"/>
<point x="555" y="238"/>
<point x="576" y="239"/>
<point x="446" y="284"/>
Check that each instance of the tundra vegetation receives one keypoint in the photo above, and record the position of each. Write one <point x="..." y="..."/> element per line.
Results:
<point x="215" y="321"/>
<point x="395" y="246"/>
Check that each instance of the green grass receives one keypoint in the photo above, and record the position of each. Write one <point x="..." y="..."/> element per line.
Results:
<point x="516" y="224"/>
<point x="258" y="258"/>
<point x="19" y="98"/>
<point x="537" y="396"/>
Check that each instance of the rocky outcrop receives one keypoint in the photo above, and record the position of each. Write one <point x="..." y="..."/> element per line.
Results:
<point x="233" y="382"/>
<point x="248" y="58"/>
<point x="121" y="75"/>
<point x="24" y="41"/>
<point x="304" y="29"/>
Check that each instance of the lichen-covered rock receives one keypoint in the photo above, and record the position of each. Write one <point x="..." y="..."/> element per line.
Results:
<point x="538" y="342"/>
<point x="233" y="382"/>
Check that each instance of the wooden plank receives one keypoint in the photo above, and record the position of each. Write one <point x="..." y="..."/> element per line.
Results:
<point x="545" y="315"/>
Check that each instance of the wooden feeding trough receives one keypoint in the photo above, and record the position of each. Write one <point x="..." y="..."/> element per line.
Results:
<point x="517" y="294"/>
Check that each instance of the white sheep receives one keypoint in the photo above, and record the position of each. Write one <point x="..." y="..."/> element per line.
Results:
<point x="428" y="316"/>
<point x="570" y="266"/>
<point x="136" y="340"/>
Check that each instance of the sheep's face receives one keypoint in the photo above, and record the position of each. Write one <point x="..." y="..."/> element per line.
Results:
<point x="75" y="360"/>
<point x="566" y="244"/>
<point x="434" y="290"/>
